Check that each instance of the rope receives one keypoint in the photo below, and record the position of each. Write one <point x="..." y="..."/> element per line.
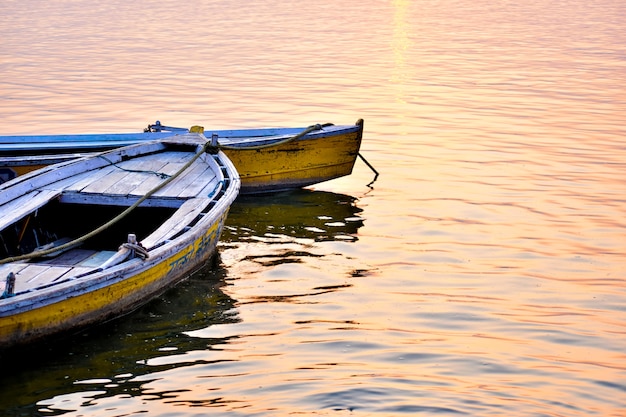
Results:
<point x="369" y="165"/>
<point x="110" y="222"/>
<point x="139" y="250"/>
<point x="269" y="145"/>
<point x="217" y="187"/>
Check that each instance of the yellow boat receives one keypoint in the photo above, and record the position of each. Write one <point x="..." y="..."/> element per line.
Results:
<point x="267" y="159"/>
<point x="92" y="238"/>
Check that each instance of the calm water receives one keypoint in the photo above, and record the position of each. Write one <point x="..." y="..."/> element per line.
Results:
<point x="483" y="273"/>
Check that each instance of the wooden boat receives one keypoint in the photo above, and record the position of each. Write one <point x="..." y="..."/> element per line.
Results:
<point x="61" y="227"/>
<point x="268" y="160"/>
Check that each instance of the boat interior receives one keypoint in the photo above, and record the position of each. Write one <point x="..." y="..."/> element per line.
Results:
<point x="54" y="216"/>
<point x="57" y="224"/>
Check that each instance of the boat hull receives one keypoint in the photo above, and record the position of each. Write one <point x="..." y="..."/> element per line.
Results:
<point x="265" y="161"/>
<point x="296" y="164"/>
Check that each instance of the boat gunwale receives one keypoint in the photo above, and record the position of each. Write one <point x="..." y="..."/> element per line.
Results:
<point x="24" y="143"/>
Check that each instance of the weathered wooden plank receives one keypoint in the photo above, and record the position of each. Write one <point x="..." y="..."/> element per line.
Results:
<point x="182" y="186"/>
<point x="97" y="259"/>
<point x="123" y="177"/>
<point x="76" y="271"/>
<point x="32" y="276"/>
<point x="127" y="184"/>
<point x="16" y="209"/>
<point x="154" y="162"/>
<point x="38" y="275"/>
<point x="71" y="181"/>
<point x="111" y="185"/>
<point x="150" y="183"/>
<point x="101" y="185"/>
<point x="118" y="200"/>
<point x="69" y="258"/>
<point x="141" y="175"/>
<point x="147" y="185"/>
<point x="211" y="187"/>
<point x="173" y="167"/>
<point x="198" y="182"/>
<point x="151" y="164"/>
<point x="89" y="177"/>
<point x="6" y="269"/>
<point x="148" y="169"/>
<point x="48" y="176"/>
<point x="187" y="212"/>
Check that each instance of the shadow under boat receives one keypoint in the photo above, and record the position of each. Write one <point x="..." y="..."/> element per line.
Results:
<point x="301" y="213"/>
<point x="120" y="353"/>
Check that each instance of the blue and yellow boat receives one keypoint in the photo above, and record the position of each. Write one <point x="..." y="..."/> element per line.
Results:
<point x="94" y="237"/>
<point x="267" y="159"/>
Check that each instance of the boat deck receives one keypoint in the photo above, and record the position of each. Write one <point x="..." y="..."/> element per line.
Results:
<point x="119" y="184"/>
<point x="71" y="263"/>
<point x="123" y="182"/>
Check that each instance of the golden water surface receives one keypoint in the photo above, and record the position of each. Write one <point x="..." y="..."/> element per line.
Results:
<point x="483" y="273"/>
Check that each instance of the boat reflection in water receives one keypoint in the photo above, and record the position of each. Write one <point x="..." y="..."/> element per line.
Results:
<point x="123" y="353"/>
<point x="298" y="214"/>
<point x="170" y="332"/>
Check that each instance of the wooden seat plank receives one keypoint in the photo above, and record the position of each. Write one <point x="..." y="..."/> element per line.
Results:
<point x="149" y="168"/>
<point x="193" y="187"/>
<point x="199" y="186"/>
<point x="30" y="276"/>
<point x="97" y="259"/>
<point x="6" y="269"/>
<point x="100" y="185"/>
<point x="90" y="177"/>
<point x="15" y="209"/>
<point x="70" y="258"/>
<point x="38" y="276"/>
<point x="76" y="271"/>
<point x="187" y="212"/>
<point x="182" y="187"/>
<point x="150" y="183"/>
<point x="147" y="185"/>
<point x="70" y="182"/>
<point x="126" y="186"/>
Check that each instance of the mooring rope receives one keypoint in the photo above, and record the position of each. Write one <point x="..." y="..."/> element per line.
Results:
<point x="111" y="222"/>
<point x="306" y="131"/>
<point x="139" y="250"/>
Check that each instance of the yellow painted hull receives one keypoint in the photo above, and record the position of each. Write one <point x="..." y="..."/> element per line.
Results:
<point x="105" y="296"/>
<point x="296" y="164"/>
